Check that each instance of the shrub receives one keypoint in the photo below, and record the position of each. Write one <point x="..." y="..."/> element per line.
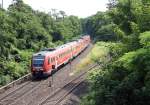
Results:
<point x="145" y="39"/>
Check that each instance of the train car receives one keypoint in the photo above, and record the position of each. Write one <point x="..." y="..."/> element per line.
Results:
<point x="42" y="63"/>
<point x="49" y="59"/>
<point x="64" y="54"/>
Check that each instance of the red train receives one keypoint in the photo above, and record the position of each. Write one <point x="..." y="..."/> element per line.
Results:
<point x="47" y="60"/>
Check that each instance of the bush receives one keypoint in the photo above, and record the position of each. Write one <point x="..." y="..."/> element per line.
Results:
<point x="15" y="70"/>
<point x="145" y="39"/>
<point x="5" y="79"/>
<point x="124" y="82"/>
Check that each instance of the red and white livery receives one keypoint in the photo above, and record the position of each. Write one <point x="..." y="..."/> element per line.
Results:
<point x="47" y="60"/>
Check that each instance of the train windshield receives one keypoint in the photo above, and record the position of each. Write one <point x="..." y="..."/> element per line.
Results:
<point x="38" y="61"/>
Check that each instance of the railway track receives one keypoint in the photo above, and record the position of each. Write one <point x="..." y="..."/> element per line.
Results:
<point x="36" y="87"/>
<point x="14" y="83"/>
<point x="20" y="92"/>
<point x="12" y="92"/>
<point x="31" y="91"/>
<point x="61" y="93"/>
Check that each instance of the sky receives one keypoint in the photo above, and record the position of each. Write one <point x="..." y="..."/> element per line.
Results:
<point x="80" y="8"/>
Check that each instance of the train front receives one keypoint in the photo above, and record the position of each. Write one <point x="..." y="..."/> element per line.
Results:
<point x="37" y="65"/>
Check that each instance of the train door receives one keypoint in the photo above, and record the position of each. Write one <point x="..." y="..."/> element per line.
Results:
<point x="53" y="62"/>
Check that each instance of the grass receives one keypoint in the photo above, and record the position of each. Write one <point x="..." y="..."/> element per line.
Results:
<point x="97" y="54"/>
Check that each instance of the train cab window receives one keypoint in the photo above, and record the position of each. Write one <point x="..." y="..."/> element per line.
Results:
<point x="38" y="62"/>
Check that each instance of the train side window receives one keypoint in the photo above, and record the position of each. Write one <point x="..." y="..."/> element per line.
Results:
<point x="53" y="59"/>
<point x="49" y="60"/>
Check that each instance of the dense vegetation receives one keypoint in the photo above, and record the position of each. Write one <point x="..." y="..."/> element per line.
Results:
<point x="24" y="31"/>
<point x="125" y="79"/>
<point x="124" y="76"/>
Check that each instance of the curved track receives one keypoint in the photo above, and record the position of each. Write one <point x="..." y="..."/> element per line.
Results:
<point x="34" y="92"/>
<point x="61" y="93"/>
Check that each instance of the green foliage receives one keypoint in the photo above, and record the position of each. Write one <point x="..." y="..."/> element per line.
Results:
<point x="4" y="79"/>
<point x="121" y="81"/>
<point x="66" y="29"/>
<point x="24" y="31"/>
<point x="99" y="54"/>
<point x="145" y="39"/>
<point x="130" y="18"/>
<point x="115" y="49"/>
<point x="125" y="80"/>
<point x="99" y="26"/>
<point x="136" y="60"/>
<point x="15" y="70"/>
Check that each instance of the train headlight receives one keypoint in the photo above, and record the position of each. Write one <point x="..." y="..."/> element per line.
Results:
<point x="41" y="69"/>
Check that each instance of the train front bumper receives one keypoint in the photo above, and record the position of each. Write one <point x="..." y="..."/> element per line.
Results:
<point x="40" y="73"/>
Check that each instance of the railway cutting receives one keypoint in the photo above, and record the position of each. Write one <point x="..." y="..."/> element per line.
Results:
<point x="35" y="92"/>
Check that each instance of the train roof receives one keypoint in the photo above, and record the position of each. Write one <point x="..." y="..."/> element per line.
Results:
<point x="48" y="49"/>
<point x="62" y="46"/>
<point x="44" y="53"/>
<point x="71" y="43"/>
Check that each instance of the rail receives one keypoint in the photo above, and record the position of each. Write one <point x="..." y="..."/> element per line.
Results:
<point x="18" y="81"/>
<point x="66" y="94"/>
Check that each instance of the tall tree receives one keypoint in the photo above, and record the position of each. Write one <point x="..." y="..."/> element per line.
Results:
<point x="111" y="4"/>
<point x="62" y="13"/>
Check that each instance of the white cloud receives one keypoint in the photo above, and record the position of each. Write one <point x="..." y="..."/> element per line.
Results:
<point x="81" y="8"/>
